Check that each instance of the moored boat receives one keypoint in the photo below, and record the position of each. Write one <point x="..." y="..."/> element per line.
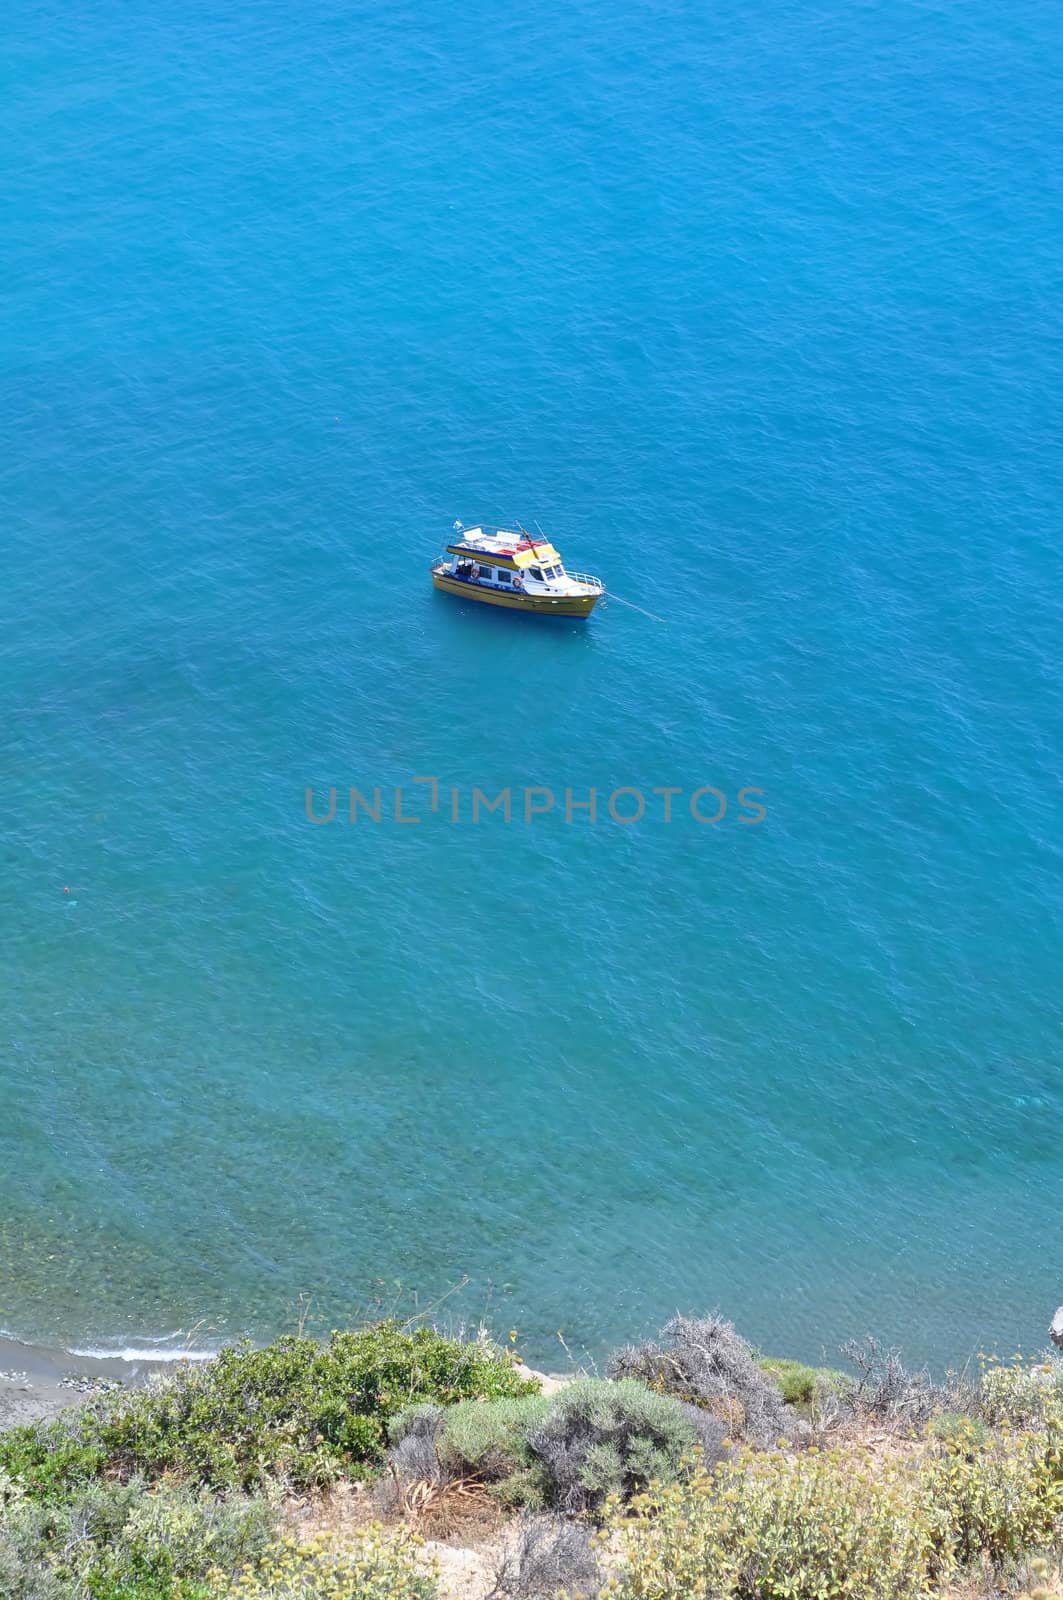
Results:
<point x="515" y="570"/>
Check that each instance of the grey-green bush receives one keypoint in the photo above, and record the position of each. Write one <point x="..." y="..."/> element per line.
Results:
<point x="601" y="1438"/>
<point x="711" y="1433"/>
<point x="490" y="1438"/>
<point x="590" y="1440"/>
<point x="412" y="1455"/>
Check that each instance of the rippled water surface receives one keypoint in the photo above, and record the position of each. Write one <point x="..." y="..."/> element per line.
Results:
<point x="756" y="308"/>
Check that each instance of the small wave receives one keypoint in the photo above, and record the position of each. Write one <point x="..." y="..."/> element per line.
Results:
<point x="140" y="1353"/>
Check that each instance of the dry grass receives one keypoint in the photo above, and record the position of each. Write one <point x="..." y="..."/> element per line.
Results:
<point x="460" y="1510"/>
<point x="339" y="1513"/>
<point x="1037" y="1578"/>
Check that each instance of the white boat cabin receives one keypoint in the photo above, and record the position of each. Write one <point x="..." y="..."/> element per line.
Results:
<point x="514" y="561"/>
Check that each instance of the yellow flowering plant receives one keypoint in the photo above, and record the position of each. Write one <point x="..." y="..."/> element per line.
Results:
<point x="376" y="1565"/>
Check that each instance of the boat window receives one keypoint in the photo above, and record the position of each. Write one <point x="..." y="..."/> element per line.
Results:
<point x="504" y="575"/>
<point x="486" y="572"/>
<point x="536" y="572"/>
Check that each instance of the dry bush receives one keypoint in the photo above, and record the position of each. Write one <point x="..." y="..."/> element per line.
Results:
<point x="886" y="1392"/>
<point x="548" y="1556"/>
<point x="712" y="1435"/>
<point x="703" y="1361"/>
<point x="1045" y="1581"/>
<point x="831" y="1411"/>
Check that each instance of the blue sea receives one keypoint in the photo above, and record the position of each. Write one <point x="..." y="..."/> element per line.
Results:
<point x="755" y="309"/>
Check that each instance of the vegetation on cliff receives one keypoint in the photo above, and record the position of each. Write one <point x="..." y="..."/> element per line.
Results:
<point x="294" y="1411"/>
<point x="703" y="1471"/>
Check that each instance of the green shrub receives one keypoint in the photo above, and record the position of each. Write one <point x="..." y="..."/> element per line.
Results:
<point x="122" y="1542"/>
<point x="294" y="1409"/>
<point x="48" y="1460"/>
<point x="490" y="1437"/>
<point x="602" y="1439"/>
<point x="801" y="1385"/>
<point x="797" y="1382"/>
<point x="960" y="1431"/>
<point x="175" y="1533"/>
<point x="12" y="1494"/>
<point x="374" y="1567"/>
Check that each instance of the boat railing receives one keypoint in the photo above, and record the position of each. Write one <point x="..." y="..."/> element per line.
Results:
<point x="585" y="578"/>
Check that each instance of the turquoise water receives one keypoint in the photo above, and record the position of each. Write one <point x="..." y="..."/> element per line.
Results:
<point x="755" y="308"/>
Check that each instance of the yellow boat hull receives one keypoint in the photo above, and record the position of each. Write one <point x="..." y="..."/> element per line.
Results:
<point x="576" y="605"/>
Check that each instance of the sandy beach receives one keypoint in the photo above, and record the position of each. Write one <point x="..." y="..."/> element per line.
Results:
<point x="36" y="1382"/>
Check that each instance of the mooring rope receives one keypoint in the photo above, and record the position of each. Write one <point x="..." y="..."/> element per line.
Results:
<point x="609" y="595"/>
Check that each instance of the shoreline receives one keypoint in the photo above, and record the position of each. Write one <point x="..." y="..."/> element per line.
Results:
<point x="39" y="1381"/>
